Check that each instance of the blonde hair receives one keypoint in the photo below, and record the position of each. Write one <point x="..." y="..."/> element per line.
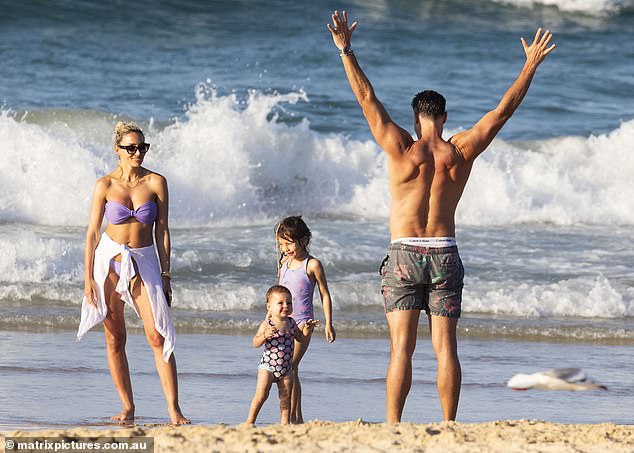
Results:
<point x="122" y="128"/>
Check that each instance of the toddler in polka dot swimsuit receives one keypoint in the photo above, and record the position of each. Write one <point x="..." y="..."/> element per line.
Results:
<point x="277" y="333"/>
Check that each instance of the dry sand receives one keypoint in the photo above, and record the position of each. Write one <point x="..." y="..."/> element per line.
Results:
<point x="319" y="436"/>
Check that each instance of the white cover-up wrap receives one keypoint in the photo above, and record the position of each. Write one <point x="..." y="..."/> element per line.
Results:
<point x="150" y="273"/>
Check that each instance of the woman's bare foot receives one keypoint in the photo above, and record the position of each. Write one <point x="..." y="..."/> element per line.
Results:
<point x="125" y="415"/>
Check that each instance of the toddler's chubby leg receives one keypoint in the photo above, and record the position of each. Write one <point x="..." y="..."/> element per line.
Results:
<point x="262" y="388"/>
<point x="284" y="389"/>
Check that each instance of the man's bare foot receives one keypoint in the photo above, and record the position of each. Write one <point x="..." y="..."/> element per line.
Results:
<point x="178" y="418"/>
<point x="125" y="415"/>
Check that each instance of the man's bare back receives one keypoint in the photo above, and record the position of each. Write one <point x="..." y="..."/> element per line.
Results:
<point x="422" y="269"/>
<point x="426" y="183"/>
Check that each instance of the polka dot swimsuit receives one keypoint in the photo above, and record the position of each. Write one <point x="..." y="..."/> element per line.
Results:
<point x="278" y="352"/>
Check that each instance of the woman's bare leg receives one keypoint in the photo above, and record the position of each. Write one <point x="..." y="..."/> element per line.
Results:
<point x="114" y="327"/>
<point x="166" y="370"/>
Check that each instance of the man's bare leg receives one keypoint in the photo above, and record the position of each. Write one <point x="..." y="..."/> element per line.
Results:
<point x="403" y="325"/>
<point x="114" y="328"/>
<point x="443" y="337"/>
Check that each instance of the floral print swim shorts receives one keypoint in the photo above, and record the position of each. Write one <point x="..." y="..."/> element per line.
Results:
<point x="422" y="278"/>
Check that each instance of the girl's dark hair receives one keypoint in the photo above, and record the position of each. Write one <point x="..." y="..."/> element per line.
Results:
<point x="292" y="229"/>
<point x="278" y="289"/>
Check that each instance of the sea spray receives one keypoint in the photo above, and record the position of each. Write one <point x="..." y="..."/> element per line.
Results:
<point x="228" y="163"/>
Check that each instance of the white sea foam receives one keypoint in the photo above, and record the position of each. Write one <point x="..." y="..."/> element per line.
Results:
<point x="45" y="177"/>
<point x="591" y="7"/>
<point x="583" y="297"/>
<point x="559" y="181"/>
<point x="580" y="297"/>
<point x="233" y="162"/>
<point x="29" y="258"/>
<point x="228" y="162"/>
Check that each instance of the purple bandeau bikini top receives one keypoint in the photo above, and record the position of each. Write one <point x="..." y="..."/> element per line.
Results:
<point x="117" y="213"/>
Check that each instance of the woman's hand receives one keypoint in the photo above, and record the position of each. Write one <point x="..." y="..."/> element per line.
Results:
<point x="90" y="291"/>
<point x="167" y="289"/>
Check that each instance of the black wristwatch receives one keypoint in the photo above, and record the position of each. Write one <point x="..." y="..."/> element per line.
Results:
<point x="347" y="50"/>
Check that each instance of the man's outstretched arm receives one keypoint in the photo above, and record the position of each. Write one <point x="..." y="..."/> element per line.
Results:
<point x="475" y="140"/>
<point x="388" y="134"/>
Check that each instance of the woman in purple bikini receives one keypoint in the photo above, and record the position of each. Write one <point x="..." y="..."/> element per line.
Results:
<point x="300" y="273"/>
<point x="121" y="267"/>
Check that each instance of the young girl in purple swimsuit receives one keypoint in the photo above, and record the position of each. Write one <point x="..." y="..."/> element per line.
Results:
<point x="300" y="273"/>
<point x="278" y="333"/>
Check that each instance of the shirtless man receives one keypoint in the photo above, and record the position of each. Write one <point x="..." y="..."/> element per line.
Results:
<point x="422" y="269"/>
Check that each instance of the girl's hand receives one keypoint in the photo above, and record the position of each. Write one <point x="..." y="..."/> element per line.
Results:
<point x="90" y="291"/>
<point x="330" y="333"/>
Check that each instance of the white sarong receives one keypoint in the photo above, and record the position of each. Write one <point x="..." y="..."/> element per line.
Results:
<point x="150" y="273"/>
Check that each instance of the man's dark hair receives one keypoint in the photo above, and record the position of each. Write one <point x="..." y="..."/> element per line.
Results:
<point x="429" y="104"/>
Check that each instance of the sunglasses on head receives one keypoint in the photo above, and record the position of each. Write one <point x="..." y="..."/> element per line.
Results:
<point x="132" y="149"/>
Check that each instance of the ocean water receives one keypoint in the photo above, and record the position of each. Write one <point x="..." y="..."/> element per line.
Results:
<point x="251" y="119"/>
<point x="48" y="381"/>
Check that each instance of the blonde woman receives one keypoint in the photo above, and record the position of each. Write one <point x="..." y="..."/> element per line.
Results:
<point x="122" y="267"/>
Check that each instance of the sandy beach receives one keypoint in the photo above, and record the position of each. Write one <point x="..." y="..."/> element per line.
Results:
<point x="251" y="124"/>
<point x="319" y="436"/>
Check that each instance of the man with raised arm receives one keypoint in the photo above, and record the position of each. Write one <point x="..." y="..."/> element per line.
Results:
<point x="422" y="269"/>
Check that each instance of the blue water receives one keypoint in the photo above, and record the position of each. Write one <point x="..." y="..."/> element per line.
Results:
<point x="341" y="381"/>
<point x="251" y="119"/>
<point x="143" y="61"/>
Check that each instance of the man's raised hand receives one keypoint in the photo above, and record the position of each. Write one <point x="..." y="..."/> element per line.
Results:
<point x="537" y="51"/>
<point x="340" y="32"/>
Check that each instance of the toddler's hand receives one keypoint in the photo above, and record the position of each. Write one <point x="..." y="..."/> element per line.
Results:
<point x="269" y="332"/>
<point x="310" y="325"/>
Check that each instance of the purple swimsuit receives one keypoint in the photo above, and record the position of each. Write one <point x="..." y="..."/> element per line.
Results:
<point x="117" y="213"/>
<point x="301" y="288"/>
<point x="277" y="357"/>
